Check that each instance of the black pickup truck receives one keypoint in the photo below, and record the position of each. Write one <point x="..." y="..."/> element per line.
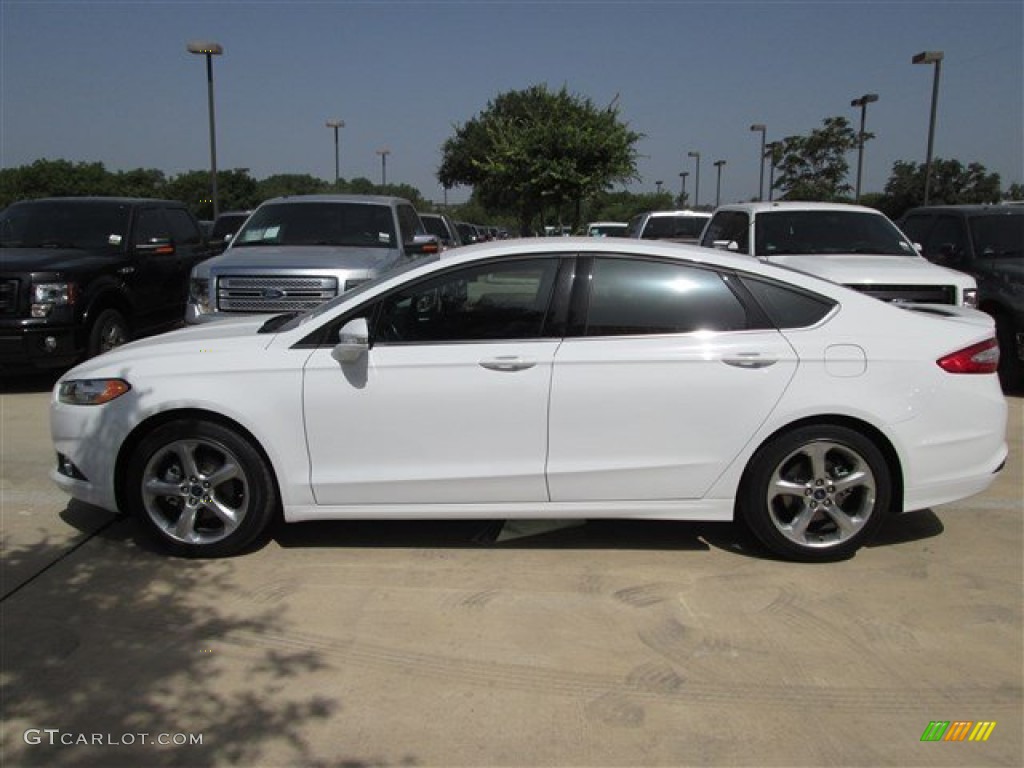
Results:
<point x="81" y="275"/>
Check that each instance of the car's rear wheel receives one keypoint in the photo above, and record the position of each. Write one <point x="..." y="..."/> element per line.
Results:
<point x="1011" y="368"/>
<point x="108" y="331"/>
<point x="200" y="488"/>
<point x="817" y="493"/>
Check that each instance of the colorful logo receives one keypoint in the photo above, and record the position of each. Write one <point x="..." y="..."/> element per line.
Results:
<point x="958" y="730"/>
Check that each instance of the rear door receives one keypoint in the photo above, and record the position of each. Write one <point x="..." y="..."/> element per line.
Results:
<point x="665" y="381"/>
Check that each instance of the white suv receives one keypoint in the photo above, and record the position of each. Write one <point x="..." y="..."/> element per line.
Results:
<point x="849" y="244"/>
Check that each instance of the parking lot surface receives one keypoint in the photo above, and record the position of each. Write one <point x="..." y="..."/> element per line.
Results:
<point x="464" y="644"/>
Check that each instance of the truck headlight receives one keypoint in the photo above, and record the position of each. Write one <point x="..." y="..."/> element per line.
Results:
<point x="970" y="297"/>
<point x="199" y="293"/>
<point x="46" y="296"/>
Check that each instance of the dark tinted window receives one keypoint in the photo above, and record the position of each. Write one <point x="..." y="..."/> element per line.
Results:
<point x="998" y="236"/>
<point x="227" y="224"/>
<point x="409" y="222"/>
<point x="435" y="226"/>
<point x="306" y="223"/>
<point x="506" y="300"/>
<point x="780" y="233"/>
<point x="151" y="227"/>
<point x="664" y="227"/>
<point x="183" y="227"/>
<point x="788" y="307"/>
<point x="631" y="296"/>
<point x="728" y="227"/>
<point x="916" y="227"/>
<point x="947" y="241"/>
<point x="64" y="224"/>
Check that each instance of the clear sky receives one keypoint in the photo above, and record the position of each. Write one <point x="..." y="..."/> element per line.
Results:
<point x="111" y="81"/>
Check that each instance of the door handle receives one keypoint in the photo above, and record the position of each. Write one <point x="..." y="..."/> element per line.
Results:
<point x="507" y="364"/>
<point x="750" y="360"/>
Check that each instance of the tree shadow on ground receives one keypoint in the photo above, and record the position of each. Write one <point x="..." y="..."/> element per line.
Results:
<point x="109" y="641"/>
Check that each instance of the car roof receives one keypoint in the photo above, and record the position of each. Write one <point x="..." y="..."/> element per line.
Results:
<point x="680" y="213"/>
<point x="792" y="205"/>
<point x="103" y="199"/>
<point x="329" y="198"/>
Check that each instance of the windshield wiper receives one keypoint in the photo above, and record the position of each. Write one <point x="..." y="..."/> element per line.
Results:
<point x="277" y="321"/>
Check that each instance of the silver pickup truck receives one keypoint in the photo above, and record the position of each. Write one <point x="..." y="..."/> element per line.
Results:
<point x="296" y="252"/>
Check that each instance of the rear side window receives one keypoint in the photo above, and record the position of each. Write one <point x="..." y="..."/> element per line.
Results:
<point x="787" y="307"/>
<point x="635" y="297"/>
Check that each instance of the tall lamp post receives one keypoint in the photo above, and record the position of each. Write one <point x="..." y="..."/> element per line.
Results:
<point x="769" y="149"/>
<point x="209" y="50"/>
<point x="760" y="184"/>
<point x="657" y="185"/>
<point x="718" y="185"/>
<point x="336" y="124"/>
<point x="862" y="102"/>
<point x="696" y="179"/>
<point x="930" y="57"/>
<point x="384" y="166"/>
<point x="682" y="188"/>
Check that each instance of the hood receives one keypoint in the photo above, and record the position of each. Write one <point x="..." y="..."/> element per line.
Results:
<point x="194" y="343"/>
<point x="300" y="257"/>
<point x="52" y="259"/>
<point x="861" y="268"/>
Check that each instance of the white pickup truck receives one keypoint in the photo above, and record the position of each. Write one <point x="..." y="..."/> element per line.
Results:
<point x="848" y="244"/>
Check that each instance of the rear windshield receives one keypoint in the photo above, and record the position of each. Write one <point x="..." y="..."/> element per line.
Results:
<point x="345" y="224"/>
<point x="64" y="224"/>
<point x="782" y="233"/>
<point x="664" y="227"/>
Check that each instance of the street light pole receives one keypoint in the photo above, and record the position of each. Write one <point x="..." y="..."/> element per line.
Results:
<point x="930" y="57"/>
<point x="862" y="102"/>
<point x="770" y="148"/>
<point x="657" y="185"/>
<point x="696" y="180"/>
<point x="718" y="185"/>
<point x="682" y="190"/>
<point x="760" y="184"/>
<point x="384" y="166"/>
<point x="336" y="124"/>
<point x="209" y="50"/>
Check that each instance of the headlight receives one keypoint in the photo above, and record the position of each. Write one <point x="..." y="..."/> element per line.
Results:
<point x="199" y="293"/>
<point x="46" y="296"/>
<point x="91" y="391"/>
<point x="970" y="297"/>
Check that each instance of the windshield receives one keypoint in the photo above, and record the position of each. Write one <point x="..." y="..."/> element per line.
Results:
<point x="607" y="230"/>
<point x="325" y="223"/>
<point x="781" y="233"/>
<point x="998" y="236"/>
<point x="360" y="289"/>
<point x="64" y="224"/>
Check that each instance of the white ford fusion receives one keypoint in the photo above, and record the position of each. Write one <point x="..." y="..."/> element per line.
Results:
<point x="546" y="378"/>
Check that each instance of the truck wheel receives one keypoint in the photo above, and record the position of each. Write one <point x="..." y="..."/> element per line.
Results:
<point x="1011" y="368"/>
<point x="108" y="331"/>
<point x="200" y="488"/>
<point x="816" y="493"/>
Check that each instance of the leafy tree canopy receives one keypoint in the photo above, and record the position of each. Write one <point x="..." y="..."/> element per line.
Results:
<point x="535" y="150"/>
<point x="814" y="167"/>
<point x="951" y="184"/>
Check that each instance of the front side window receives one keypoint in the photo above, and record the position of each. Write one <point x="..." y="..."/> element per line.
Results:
<point x="183" y="227"/>
<point x="409" y="223"/>
<point x="947" y="241"/>
<point x="490" y="302"/>
<point x="999" y="236"/>
<point x="151" y="228"/>
<point x="340" y="224"/>
<point x="635" y="297"/>
<point x="783" y="233"/>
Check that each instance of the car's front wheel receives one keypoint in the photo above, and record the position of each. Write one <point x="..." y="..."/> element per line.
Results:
<point x="817" y="493"/>
<point x="201" y="488"/>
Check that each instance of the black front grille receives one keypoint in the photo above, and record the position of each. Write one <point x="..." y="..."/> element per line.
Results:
<point x="912" y="294"/>
<point x="266" y="293"/>
<point x="8" y="297"/>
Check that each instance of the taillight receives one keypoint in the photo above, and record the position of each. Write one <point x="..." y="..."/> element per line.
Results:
<point x="977" y="358"/>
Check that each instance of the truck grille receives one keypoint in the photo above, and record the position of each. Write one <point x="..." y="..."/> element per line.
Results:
<point x="273" y="294"/>
<point x="913" y="294"/>
<point x="8" y="297"/>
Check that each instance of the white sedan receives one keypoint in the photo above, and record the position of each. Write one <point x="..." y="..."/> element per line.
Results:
<point x="546" y="378"/>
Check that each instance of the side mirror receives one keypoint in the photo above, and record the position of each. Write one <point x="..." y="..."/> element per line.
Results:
<point x="422" y="244"/>
<point x="353" y="341"/>
<point x="726" y="245"/>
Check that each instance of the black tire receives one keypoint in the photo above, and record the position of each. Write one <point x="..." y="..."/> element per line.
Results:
<point x="816" y="493"/>
<point x="200" y="488"/>
<point x="109" y="331"/>
<point x="1011" y="368"/>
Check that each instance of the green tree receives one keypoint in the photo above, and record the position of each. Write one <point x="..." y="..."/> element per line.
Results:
<point x="814" y="167"/>
<point x="534" y="151"/>
<point x="1014" y="192"/>
<point x="53" y="178"/>
<point x="283" y="184"/>
<point x="952" y="184"/>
